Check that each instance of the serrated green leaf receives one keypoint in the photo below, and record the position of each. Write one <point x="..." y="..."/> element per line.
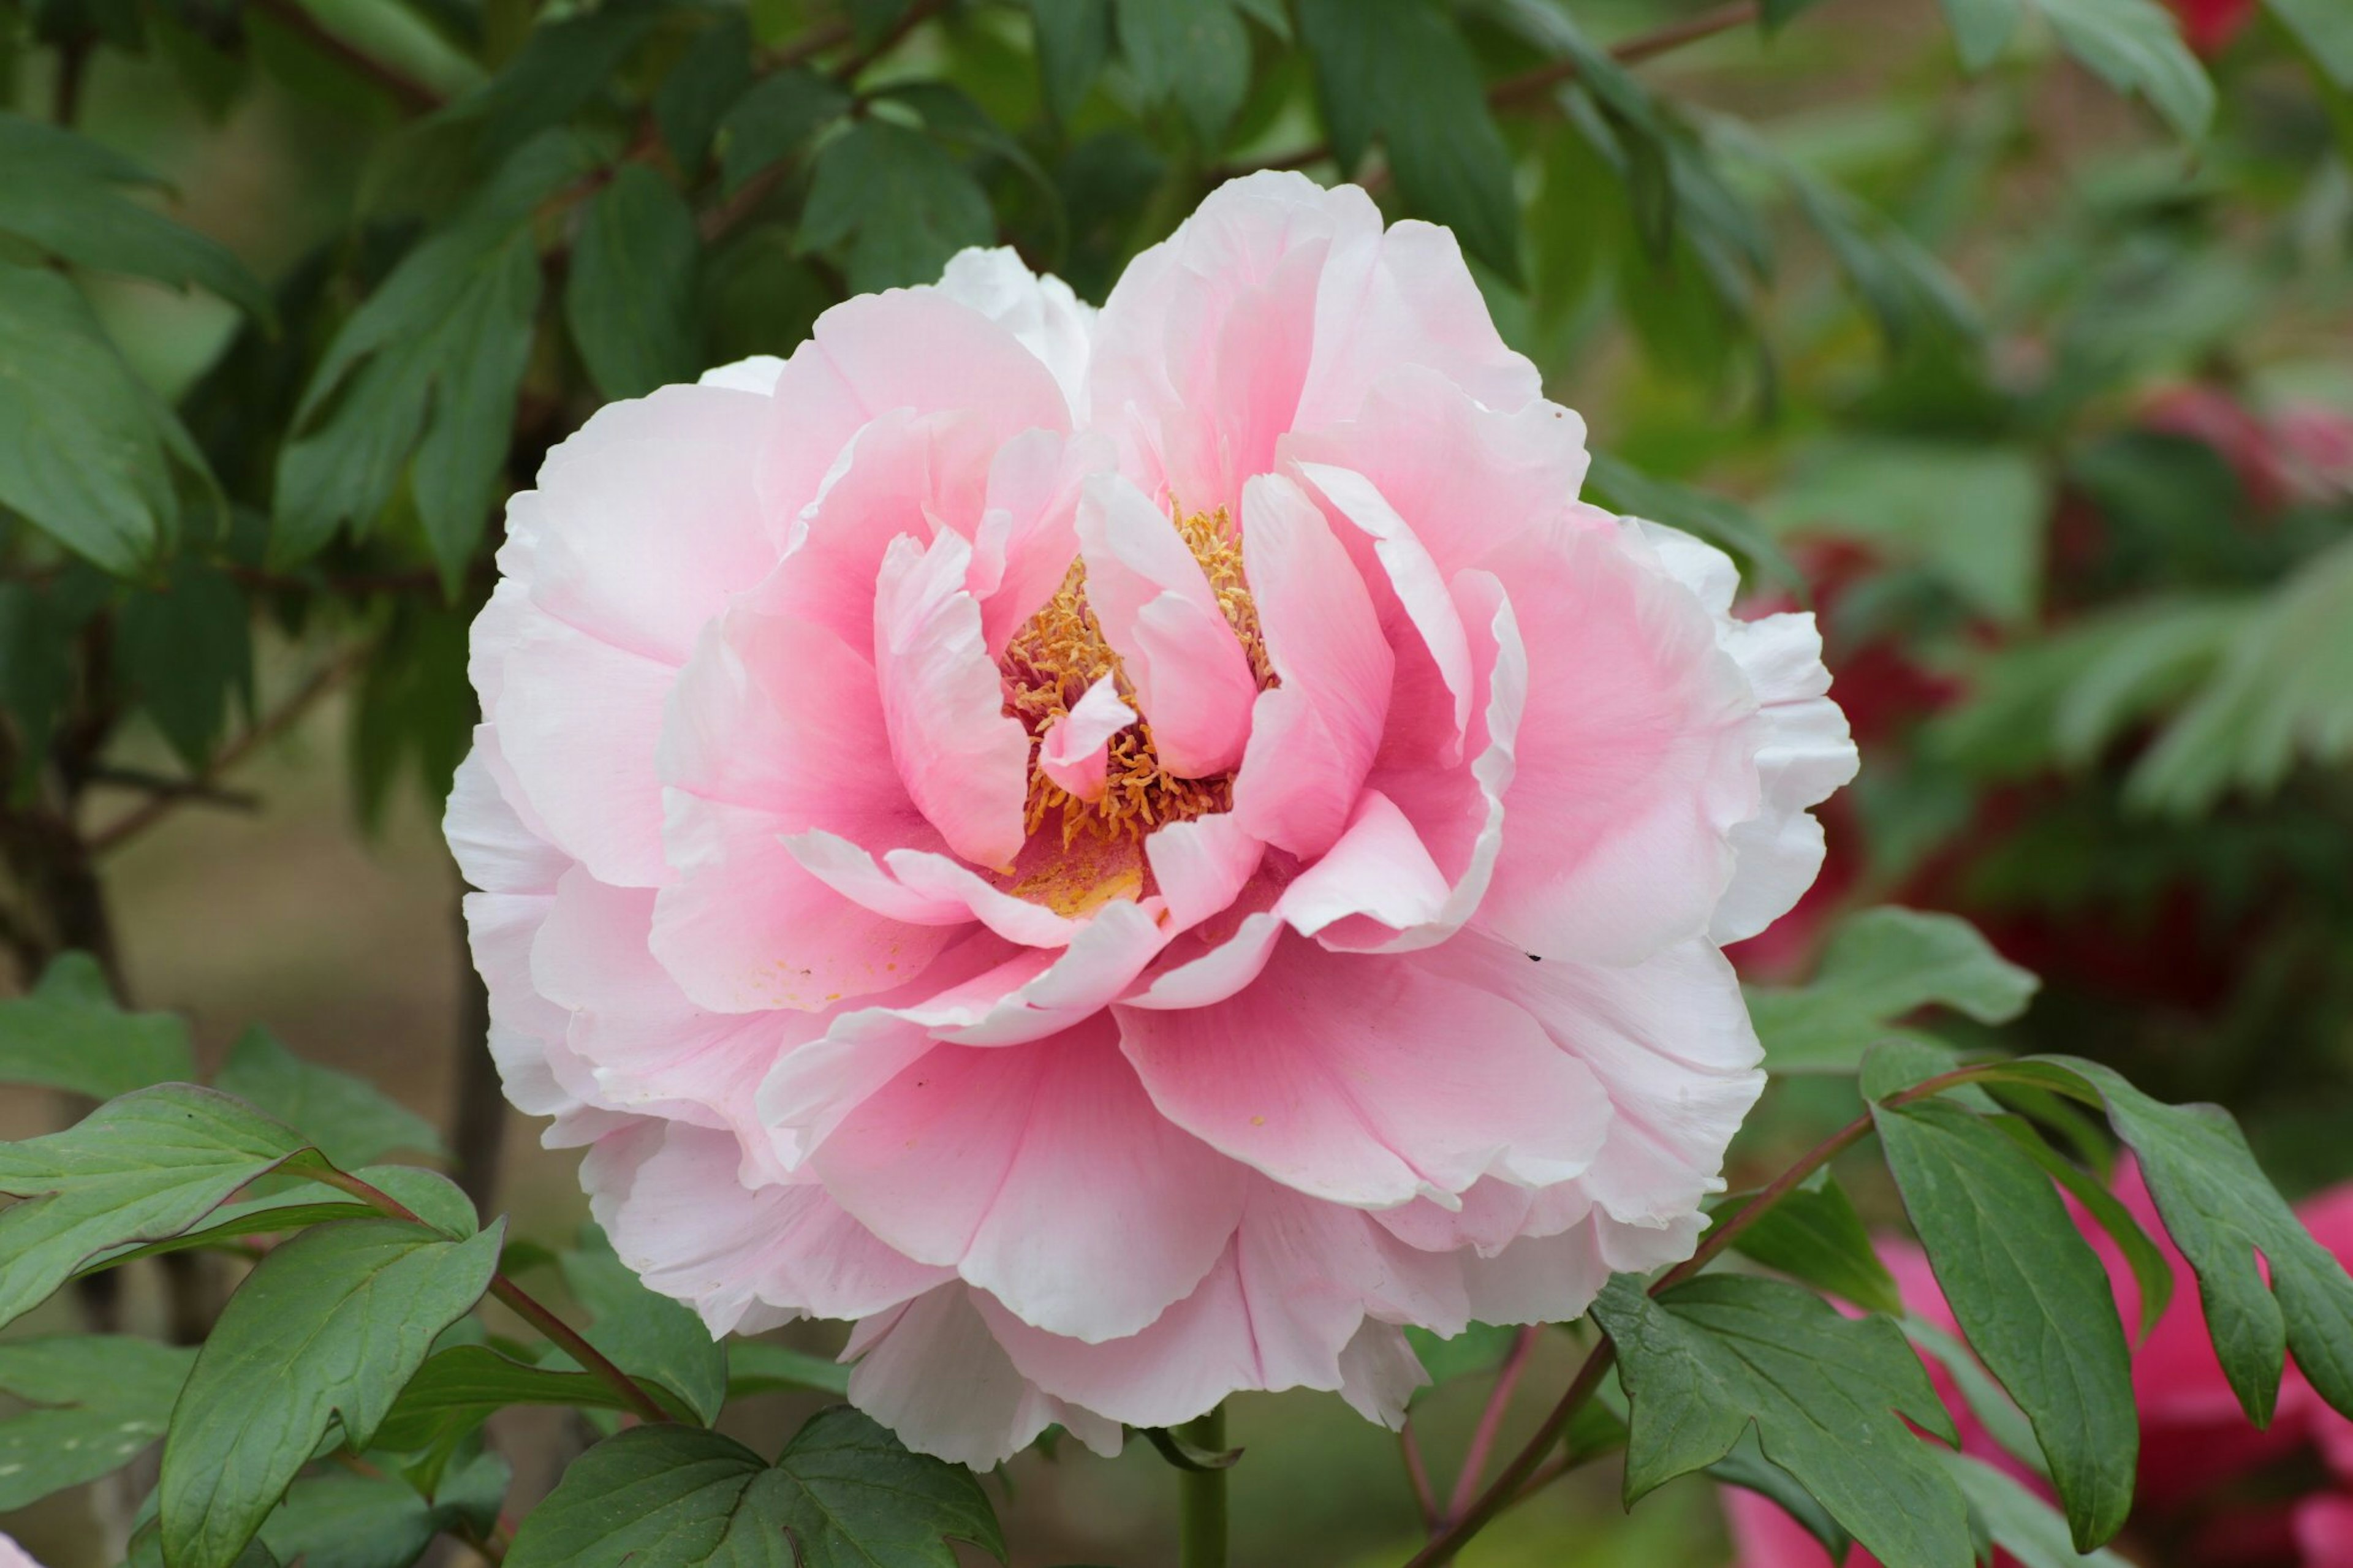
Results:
<point x="1982" y="28"/>
<point x="351" y="1121"/>
<point x="185" y="649"/>
<point x="1881" y="966"/>
<point x="140" y="1168"/>
<point x="339" y="1518"/>
<point x="843" y="1494"/>
<point x="62" y="196"/>
<point x="2325" y="30"/>
<point x="896" y="203"/>
<point x="327" y="1328"/>
<point x="762" y="1366"/>
<point x="2135" y="46"/>
<point x="1193" y="51"/>
<point x="646" y="1335"/>
<point x="1398" y="71"/>
<point x="772" y="120"/>
<point x="1747" y="1467"/>
<point x="1827" y="1394"/>
<point x="94" y="1404"/>
<point x="2030" y="1296"/>
<point x="695" y="95"/>
<point x="1073" y="40"/>
<point x="2151" y="1271"/>
<point x="69" y="1033"/>
<point x="2019" y="1522"/>
<point x="1817" y="1237"/>
<point x="2224" y="1216"/>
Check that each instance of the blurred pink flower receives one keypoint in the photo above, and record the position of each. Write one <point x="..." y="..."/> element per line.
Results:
<point x="1133" y="855"/>
<point x="15" y="1556"/>
<point x="2196" y="1445"/>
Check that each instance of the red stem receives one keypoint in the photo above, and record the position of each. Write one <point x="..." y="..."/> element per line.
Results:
<point x="1491" y="1421"/>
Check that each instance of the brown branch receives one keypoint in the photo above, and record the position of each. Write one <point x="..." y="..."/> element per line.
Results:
<point x="414" y="95"/>
<point x="164" y="785"/>
<point x="267" y="729"/>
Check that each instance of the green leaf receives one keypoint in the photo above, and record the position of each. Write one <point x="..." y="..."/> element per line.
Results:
<point x="1747" y="1467"/>
<point x="1480" y="1347"/>
<point x="1398" y="71"/>
<point x="339" y="1518"/>
<point x="328" y="1328"/>
<point x="139" y="1168"/>
<point x="350" y="1120"/>
<point x="2227" y="1220"/>
<point x="1982" y="28"/>
<point x="62" y="196"/>
<point x="1073" y="40"/>
<point x="1612" y="482"/>
<point x="2030" y="1296"/>
<point x="762" y="1366"/>
<point x="1195" y="51"/>
<point x="561" y="65"/>
<point x="2325" y="28"/>
<point x="1998" y="1414"/>
<point x="86" y="450"/>
<point x="711" y="74"/>
<point x="1703" y="1361"/>
<point x="1881" y="966"/>
<point x="2019" y="1522"/>
<point x="1774" y="15"/>
<point x="770" y="122"/>
<point x="462" y="1387"/>
<point x="94" y="1403"/>
<point x="645" y="1334"/>
<point x="2135" y="46"/>
<point x="2151" y="1271"/>
<point x="898" y="203"/>
<point x="843" y="1494"/>
<point x="69" y="1033"/>
<point x="1816" y="1236"/>
<point x="185" y="648"/>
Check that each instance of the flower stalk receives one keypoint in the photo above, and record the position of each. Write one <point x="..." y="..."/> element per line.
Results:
<point x="1201" y="1495"/>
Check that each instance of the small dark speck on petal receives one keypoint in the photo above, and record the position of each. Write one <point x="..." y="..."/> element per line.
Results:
<point x="1536" y="958"/>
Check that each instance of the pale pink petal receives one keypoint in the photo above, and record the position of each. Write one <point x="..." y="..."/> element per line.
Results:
<point x="965" y="761"/>
<point x="1191" y="678"/>
<point x="756" y="372"/>
<point x="1029" y="529"/>
<point x="1537" y="1280"/>
<point x="1313" y="736"/>
<point x="1075" y="751"/>
<point x="931" y="1372"/>
<point x="1370" y="1081"/>
<point x="494" y="850"/>
<point x="1203" y="966"/>
<point x="1378" y="1373"/>
<point x="1379" y="869"/>
<point x="1033" y="1169"/>
<point x="15" y="1556"/>
<point x="1041" y="312"/>
<point x="854" y="873"/>
<point x="1201" y="866"/>
<point x="937" y="878"/>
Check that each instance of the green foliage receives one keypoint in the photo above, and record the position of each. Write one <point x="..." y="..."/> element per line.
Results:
<point x="646" y="1335"/>
<point x="893" y="205"/>
<point x="762" y="1366"/>
<point x="1815" y="1234"/>
<point x="1882" y="966"/>
<point x="185" y="651"/>
<point x="340" y="1519"/>
<point x="94" y="1403"/>
<point x="769" y="122"/>
<point x="67" y="1033"/>
<point x="1480" y="1347"/>
<point x="842" y="1494"/>
<point x="348" y="1120"/>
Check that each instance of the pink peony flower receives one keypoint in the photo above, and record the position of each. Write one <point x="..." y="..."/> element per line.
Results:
<point x="15" y="1556"/>
<point x="1132" y="855"/>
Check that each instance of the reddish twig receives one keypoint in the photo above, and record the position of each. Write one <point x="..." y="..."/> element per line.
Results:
<point x="1491" y="1421"/>
<point x="1417" y="1475"/>
<point x="414" y="95"/>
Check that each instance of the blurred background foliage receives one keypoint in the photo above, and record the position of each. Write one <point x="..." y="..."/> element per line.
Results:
<point x="2013" y="336"/>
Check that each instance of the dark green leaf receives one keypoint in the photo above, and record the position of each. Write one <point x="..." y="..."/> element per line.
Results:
<point x="1747" y="1467"/>
<point x="85" y="449"/>
<point x="140" y="1168"/>
<point x="185" y="647"/>
<point x="711" y="74"/>
<point x="873" y="19"/>
<point x="630" y="295"/>
<point x="465" y="1383"/>
<point x="1477" y="1348"/>
<point x="2029" y="1294"/>
<point x="328" y="1328"/>
<point x="1705" y="1360"/>
<point x="1398" y="71"/>
<point x="1625" y="489"/>
<point x="350" y="1120"/>
<point x="762" y="1366"/>
<point x="1073" y="40"/>
<point x="2325" y="27"/>
<point x="898" y="203"/>
<point x="1195" y="51"/>
<point x="647" y="1335"/>
<point x="94" y="1403"/>
<point x="843" y="1494"/>
<point x="60" y="196"/>
<point x="771" y="122"/>
<point x="2151" y="1271"/>
<point x="432" y="1197"/>
<point x="1816" y="1236"/>
<point x="340" y="1519"/>
<point x="69" y="1033"/>
<point x="1982" y="28"/>
<point x="1998" y="1414"/>
<point x="2135" y="46"/>
<point x="1881" y="966"/>
<point x="560" y="68"/>
<point x="2227" y="1219"/>
<point x="1774" y="15"/>
<point x="2017" y="1521"/>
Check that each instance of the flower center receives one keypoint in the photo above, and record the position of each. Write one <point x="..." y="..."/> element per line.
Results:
<point x="1061" y="651"/>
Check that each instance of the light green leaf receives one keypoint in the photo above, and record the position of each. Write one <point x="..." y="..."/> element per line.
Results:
<point x="2019" y="1522"/>
<point x="2325" y="27"/>
<point x="69" y="1033"/>
<point x="462" y="1387"/>
<point x="1073" y="40"/>
<point x="1196" y="52"/>
<point x="2029" y="1295"/>
<point x="645" y="1334"/>
<point x="1982" y="28"/>
<point x="770" y="122"/>
<point x="1705" y="1361"/>
<point x="1398" y="71"/>
<point x="93" y="1402"/>
<point x="2135" y="46"/>
<point x="762" y="1366"/>
<point x="351" y="1121"/>
<point x="339" y="1518"/>
<point x="1881" y="966"/>
<point x="139" y="1168"/>
<point x="843" y="1494"/>
<point x="897" y="204"/>
<point x="1815" y="1235"/>
<point x="328" y="1328"/>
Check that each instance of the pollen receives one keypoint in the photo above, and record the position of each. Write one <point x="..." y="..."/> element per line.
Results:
<point x="1061" y="651"/>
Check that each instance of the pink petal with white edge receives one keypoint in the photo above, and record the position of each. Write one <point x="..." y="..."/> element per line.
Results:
<point x="1041" y="312"/>
<point x="1313" y="737"/>
<point x="1635" y="758"/>
<point x="1201" y="866"/>
<point x="1033" y="1170"/>
<point x="931" y="1372"/>
<point x="1379" y="870"/>
<point x="964" y="762"/>
<point x="1191" y="678"/>
<point x="1370" y="1081"/>
<point x="1207" y="969"/>
<point x="1075" y="751"/>
<point x="668" y="1197"/>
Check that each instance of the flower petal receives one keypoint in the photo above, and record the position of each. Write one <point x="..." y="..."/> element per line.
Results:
<point x="1075" y="751"/>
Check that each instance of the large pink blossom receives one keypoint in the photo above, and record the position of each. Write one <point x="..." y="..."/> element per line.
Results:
<point x="1131" y="855"/>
